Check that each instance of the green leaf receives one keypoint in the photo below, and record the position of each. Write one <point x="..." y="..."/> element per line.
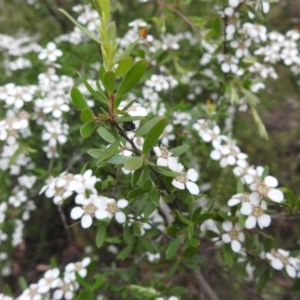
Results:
<point x="133" y="163"/>
<point x="172" y="270"/>
<point x="109" y="81"/>
<point x="193" y="241"/>
<point x="203" y="217"/>
<point x="179" y="150"/>
<point x="154" y="196"/>
<point x="98" y="282"/>
<point x="82" y="28"/>
<point x="135" y="193"/>
<point x="111" y="33"/>
<point x="86" y="115"/>
<point x="98" y="96"/>
<point x="166" y="172"/>
<point x="23" y="283"/>
<point x="182" y="218"/>
<point x="128" y="119"/>
<point x="147" y="245"/>
<point x="263" y="279"/>
<point x="106" y="135"/>
<point x="186" y="197"/>
<point x="126" y="251"/>
<point x="81" y="280"/>
<point x="100" y="235"/>
<point x="149" y="209"/>
<point x="260" y="125"/>
<point x="173" y="247"/>
<point x="268" y="244"/>
<point x="110" y="151"/>
<point x="240" y="187"/>
<point x="124" y="66"/>
<point x="191" y="232"/>
<point x="101" y="72"/>
<point x="132" y="77"/>
<point x="242" y="221"/>
<point x="228" y="255"/>
<point x="136" y="175"/>
<point x="126" y="52"/>
<point x="103" y="8"/>
<point x="87" y="129"/>
<point x="217" y="26"/>
<point x="145" y="128"/>
<point x="153" y="135"/>
<point x="116" y="159"/>
<point x="265" y="173"/>
<point x="78" y="99"/>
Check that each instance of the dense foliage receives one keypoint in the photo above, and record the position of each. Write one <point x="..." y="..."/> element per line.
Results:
<point x="134" y="149"/>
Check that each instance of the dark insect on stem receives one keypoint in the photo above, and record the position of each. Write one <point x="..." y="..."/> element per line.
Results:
<point x="128" y="126"/>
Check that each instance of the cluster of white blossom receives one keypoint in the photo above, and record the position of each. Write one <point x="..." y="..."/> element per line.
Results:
<point x="281" y="259"/>
<point x="186" y="179"/>
<point x="62" y="285"/>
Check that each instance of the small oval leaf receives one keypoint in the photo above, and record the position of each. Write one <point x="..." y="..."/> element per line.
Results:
<point x="86" y="115"/>
<point x="78" y="99"/>
<point x="87" y="129"/>
<point x="110" y="151"/>
<point x="132" y="77"/>
<point x="124" y="66"/>
<point x="144" y="129"/>
<point x="153" y="135"/>
<point x="173" y="247"/>
<point x="101" y="234"/>
<point x="109" y="81"/>
<point x="133" y="163"/>
<point x="106" y="135"/>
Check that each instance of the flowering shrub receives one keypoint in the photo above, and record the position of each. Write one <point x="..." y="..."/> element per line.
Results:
<point x="101" y="191"/>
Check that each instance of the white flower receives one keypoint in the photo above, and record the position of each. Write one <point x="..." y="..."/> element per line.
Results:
<point x="65" y="289"/>
<point x="233" y="235"/>
<point x="266" y="188"/>
<point x="254" y="209"/>
<point x="31" y="293"/>
<point x="18" y="198"/>
<point x="56" y="107"/>
<point x="238" y="198"/>
<point x="55" y="132"/>
<point x="50" y="53"/>
<point x="280" y="259"/>
<point x="112" y="208"/>
<point x="165" y="158"/>
<point x="3" y="236"/>
<point x="153" y="257"/>
<point x="88" y="210"/>
<point x="83" y="182"/>
<point x="49" y="281"/>
<point x="89" y="17"/>
<point x="79" y="267"/>
<point x="187" y="180"/>
<point x="143" y="226"/>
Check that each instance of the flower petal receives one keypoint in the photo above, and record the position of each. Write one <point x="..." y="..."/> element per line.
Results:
<point x="276" y="195"/>
<point x="76" y="213"/>
<point x="192" y="187"/>
<point x="192" y="174"/>
<point x="122" y="203"/>
<point x="120" y="217"/>
<point x="86" y="221"/>
<point x="178" y="184"/>
<point x="227" y="225"/>
<point x="271" y="181"/>
<point x="236" y="246"/>
<point x="250" y="222"/>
